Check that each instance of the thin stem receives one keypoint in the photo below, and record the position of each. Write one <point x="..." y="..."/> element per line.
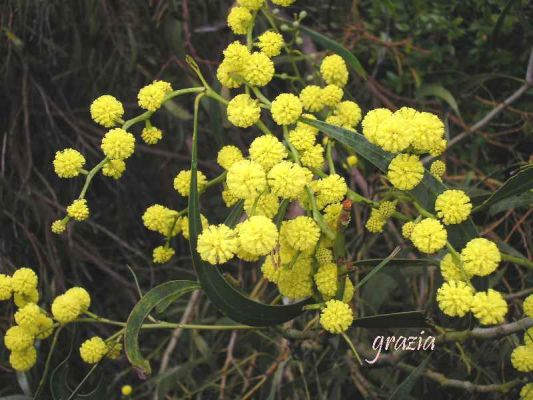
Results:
<point x="517" y="260"/>
<point x="329" y="156"/>
<point x="47" y="364"/>
<point x="91" y="175"/>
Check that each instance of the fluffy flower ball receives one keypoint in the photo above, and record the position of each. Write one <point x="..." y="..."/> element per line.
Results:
<point x="239" y="20"/>
<point x="373" y="119"/>
<point x="217" y="244"/>
<point x="267" y="151"/>
<point x="429" y="236"/>
<point x="407" y="229"/>
<point x="68" y="163"/>
<point x="93" y="350"/>
<point x="18" y="338"/>
<point x="251" y="4"/>
<point x="6" y="288"/>
<point x="348" y="113"/>
<point x="296" y="282"/>
<point x="267" y="204"/>
<point x="23" y="360"/>
<point x="311" y="98"/>
<point x="329" y="190"/>
<point x="287" y="180"/>
<point x="259" y="69"/>
<point x="229" y="155"/>
<point x="286" y="109"/>
<point x="257" y="235"/>
<point x="162" y="254"/>
<point x="24" y="281"/>
<point x="437" y="169"/>
<point x="393" y="134"/>
<point x="522" y="358"/>
<point x="118" y="144"/>
<point x="527" y="306"/>
<point x="302" y="139"/>
<point x="453" y="206"/>
<point x="160" y="219"/>
<point x="270" y="270"/>
<point x="331" y="95"/>
<point x="270" y="43"/>
<point x="182" y="182"/>
<point x="243" y="111"/>
<point x="114" y="168"/>
<point x="326" y="279"/>
<point x="80" y="296"/>
<point x="106" y="110"/>
<point x="28" y="317"/>
<point x="246" y="179"/>
<point x="151" y="96"/>
<point x="336" y="317"/>
<point x="450" y="269"/>
<point x="151" y="135"/>
<point x="489" y="307"/>
<point x="405" y="171"/>
<point x="334" y="71"/>
<point x="455" y="298"/>
<point x="78" y="210"/>
<point x="301" y="233"/>
<point x="480" y="257"/>
<point x="65" y="308"/>
<point x="526" y="393"/>
<point x="313" y="157"/>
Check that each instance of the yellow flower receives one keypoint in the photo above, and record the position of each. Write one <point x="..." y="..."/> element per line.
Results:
<point x="65" y="309"/>
<point x="429" y="236"/>
<point x="349" y="291"/>
<point x="527" y="306"/>
<point x="229" y="198"/>
<point x="528" y="337"/>
<point x="18" y="338"/>
<point x="257" y="235"/>
<point x="229" y="155"/>
<point x="489" y="307"/>
<point x="270" y="270"/>
<point x="22" y="299"/>
<point x="118" y="144"/>
<point x="439" y="148"/>
<point x="332" y="214"/>
<point x="407" y="229"/>
<point x="151" y="135"/>
<point x="246" y="256"/>
<point x="326" y="279"/>
<point x="243" y="111"/>
<point x="58" y="226"/>
<point x="236" y="55"/>
<point x="301" y="233"/>
<point x="246" y="179"/>
<point x="287" y="180"/>
<point x="522" y="358"/>
<point x="283" y="3"/>
<point x="336" y="317"/>
<point x="453" y="206"/>
<point x="267" y="204"/>
<point x="296" y="282"/>
<point x="405" y="171"/>
<point x="331" y="189"/>
<point x="480" y="257"/>
<point x="333" y="70"/>
<point x="162" y="254"/>
<point x="526" y="393"/>
<point x="271" y="43"/>
<point x="184" y="225"/>
<point x="393" y="134"/>
<point x="44" y="328"/>
<point x="311" y="98"/>
<point x="375" y="223"/>
<point x="106" y="111"/>
<point x="6" y="288"/>
<point x="349" y="113"/>
<point x="114" y="168"/>
<point x="286" y="109"/>
<point x="151" y="96"/>
<point x="455" y="298"/>
<point x="437" y="169"/>
<point x="24" y="281"/>
<point x="27" y="317"/>
<point x="427" y="131"/>
<point x="114" y="350"/>
<point x="451" y="271"/>
<point x="23" y="360"/>
<point x="373" y="119"/>
<point x="352" y="160"/>
<point x="331" y="95"/>
<point x="239" y="20"/>
<point x="126" y="390"/>
<point x="267" y="151"/>
<point x="93" y="350"/>
<point x="323" y="255"/>
<point x="182" y="182"/>
<point x="78" y="210"/>
<point x="68" y="163"/>
<point x="259" y="69"/>
<point x="313" y="157"/>
<point x="217" y="244"/>
<point x="302" y="139"/>
<point x="228" y="76"/>
<point x="387" y="208"/>
<point x="251" y="4"/>
<point x="161" y="219"/>
<point x="304" y="125"/>
<point x="80" y="296"/>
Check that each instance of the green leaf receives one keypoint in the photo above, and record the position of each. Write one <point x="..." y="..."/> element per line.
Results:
<point x="378" y="267"/>
<point x="408" y="319"/>
<point x="439" y="91"/>
<point x="404" y="389"/>
<point x="397" y="262"/>
<point x="520" y="183"/>
<point x="332" y="45"/>
<point x="157" y="295"/>
<point x="525" y="199"/>
<point x="16" y="397"/>
<point x="425" y="193"/>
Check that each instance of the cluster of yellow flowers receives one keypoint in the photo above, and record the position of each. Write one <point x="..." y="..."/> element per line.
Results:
<point x="522" y="356"/>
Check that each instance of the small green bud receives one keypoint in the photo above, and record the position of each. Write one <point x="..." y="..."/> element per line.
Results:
<point x="296" y="24"/>
<point x="299" y="40"/>
<point x="284" y="27"/>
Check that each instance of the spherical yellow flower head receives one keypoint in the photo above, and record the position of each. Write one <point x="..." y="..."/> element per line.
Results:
<point x="259" y="69"/>
<point x="283" y="3"/>
<point x="287" y="180"/>
<point x="126" y="390"/>
<point x="80" y="296"/>
<point x="184" y="225"/>
<point x="331" y="95"/>
<point x="387" y="208"/>
<point x="453" y="206"/>
<point x="427" y="131"/>
<point x="393" y="134"/>
<point x="437" y="169"/>
<point x="106" y="111"/>
<point x="270" y="270"/>
<point x="231" y="69"/>
<point x="405" y="171"/>
<point x="307" y="126"/>
<point x="522" y="358"/>
<point x="251" y="4"/>
<point x="270" y="43"/>
<point x="243" y="111"/>
<point x="349" y="291"/>
<point x="182" y="182"/>
<point x="332" y="214"/>
<point x="258" y="235"/>
<point x="45" y="327"/>
<point x="246" y="256"/>
<point x="217" y="244"/>
<point x="267" y="151"/>
<point x="489" y="307"/>
<point x="352" y="160"/>
<point x="455" y="298"/>
<point x="228" y="76"/>
<point x="239" y="20"/>
<point x="480" y="257"/>
<point x="22" y="299"/>
<point x="229" y="155"/>
<point x="162" y="254"/>
<point x="334" y="120"/>
<point x="65" y="309"/>
<point x="229" y="198"/>
<point x="349" y="113"/>
<point x="375" y="223"/>
<point x="114" y="168"/>
<point x="296" y="282"/>
<point x="372" y="121"/>
<point x="18" y="338"/>
<point x="439" y="148"/>
<point x="326" y="280"/>
<point x="78" y="210"/>
<point x="28" y="317"/>
<point x="151" y="96"/>
<point x="323" y="255"/>
<point x="118" y="144"/>
<point x="406" y="112"/>
<point x="286" y="109"/>
<point x="24" y="281"/>
<point x="23" y="360"/>
<point x="246" y="179"/>
<point x="429" y="236"/>
<point x="526" y="393"/>
<point x="58" y="227"/>
<point x="151" y="135"/>
<point x="301" y="233"/>
<point x="329" y="190"/>
<point x="334" y="71"/>
<point x="160" y="219"/>
<point x="336" y="317"/>
<point x="114" y="350"/>
<point x="527" y="306"/>
<point x="407" y="229"/>
<point x="451" y="270"/>
<point x="267" y="205"/>
<point x="311" y="98"/>
<point x="302" y="139"/>
<point x="68" y="163"/>
<point x="313" y="157"/>
<point x="93" y="350"/>
<point x="6" y="288"/>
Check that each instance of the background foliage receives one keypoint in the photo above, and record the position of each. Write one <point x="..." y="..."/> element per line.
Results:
<point x="460" y="59"/>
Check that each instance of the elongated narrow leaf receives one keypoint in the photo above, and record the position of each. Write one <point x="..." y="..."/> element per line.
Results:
<point x="223" y="295"/>
<point x="154" y="297"/>
<point x="332" y="45"/>
<point x="404" y="389"/>
<point x="438" y="91"/>
<point x="408" y="319"/>
<point x="425" y="193"/>
<point x="520" y="183"/>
